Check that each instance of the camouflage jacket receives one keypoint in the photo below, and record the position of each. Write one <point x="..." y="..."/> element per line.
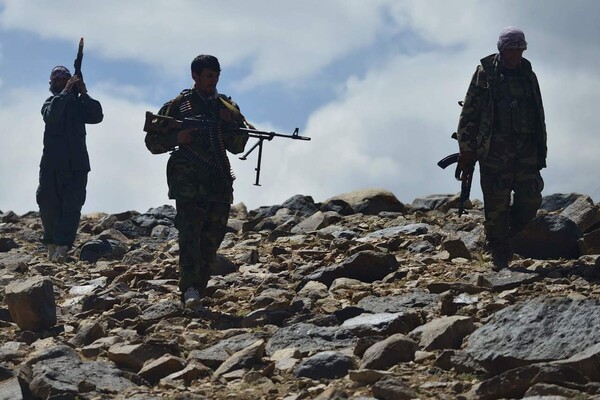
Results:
<point x="476" y="124"/>
<point x="200" y="170"/>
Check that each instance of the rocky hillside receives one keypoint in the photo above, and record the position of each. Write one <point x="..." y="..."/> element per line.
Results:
<point x="358" y="297"/>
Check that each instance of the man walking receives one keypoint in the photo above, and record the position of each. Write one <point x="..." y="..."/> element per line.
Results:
<point x="199" y="174"/>
<point x="502" y="126"/>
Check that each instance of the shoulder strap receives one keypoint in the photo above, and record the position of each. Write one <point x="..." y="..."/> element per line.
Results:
<point x="235" y="111"/>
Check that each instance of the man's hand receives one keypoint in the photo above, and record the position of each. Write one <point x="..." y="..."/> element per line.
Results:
<point x="467" y="160"/>
<point x="226" y="115"/>
<point x="81" y="86"/>
<point x="185" y="136"/>
<point x="71" y="83"/>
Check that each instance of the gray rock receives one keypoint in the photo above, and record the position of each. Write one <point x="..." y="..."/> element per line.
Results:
<point x="456" y="248"/>
<point x="443" y="333"/>
<point x="155" y="370"/>
<point x="583" y="212"/>
<point x="87" y="334"/>
<point x="542" y="329"/>
<point x="325" y="365"/>
<point x="366" y="266"/>
<point x="316" y="221"/>
<point x="31" y="303"/>
<point x="135" y="355"/>
<point x="161" y="310"/>
<point x="399" y="303"/>
<point x="59" y="371"/>
<point x="389" y="352"/>
<point x="301" y="205"/>
<point x="590" y="243"/>
<point x="13" y="261"/>
<point x="515" y="383"/>
<point x="557" y="201"/>
<point x="382" y="324"/>
<point x="7" y="244"/>
<point x="392" y="388"/>
<point x="138" y="256"/>
<point x="507" y="279"/>
<point x="310" y="338"/>
<point x="244" y="358"/>
<point x="548" y="236"/>
<point x="394" y="231"/>
<point x="216" y="354"/>
<point x="431" y="202"/>
<point x="164" y="232"/>
<point x="108" y="249"/>
<point x="9" y="217"/>
<point x="587" y="362"/>
<point x="11" y="390"/>
<point x="369" y="201"/>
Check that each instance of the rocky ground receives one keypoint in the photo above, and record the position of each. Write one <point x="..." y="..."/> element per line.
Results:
<point x="358" y="297"/>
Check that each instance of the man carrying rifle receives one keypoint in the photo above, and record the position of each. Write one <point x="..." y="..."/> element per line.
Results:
<point x="199" y="174"/>
<point x="502" y="126"/>
<point x="65" y="163"/>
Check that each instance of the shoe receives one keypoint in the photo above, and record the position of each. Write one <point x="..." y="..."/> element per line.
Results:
<point x="61" y="254"/>
<point x="502" y="254"/>
<point x="191" y="297"/>
<point x="51" y="251"/>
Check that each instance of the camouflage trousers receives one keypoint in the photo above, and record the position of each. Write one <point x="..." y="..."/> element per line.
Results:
<point x="510" y="171"/>
<point x="202" y="226"/>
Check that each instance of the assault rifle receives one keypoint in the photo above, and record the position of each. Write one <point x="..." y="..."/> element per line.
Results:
<point x="161" y="124"/>
<point x="465" y="176"/>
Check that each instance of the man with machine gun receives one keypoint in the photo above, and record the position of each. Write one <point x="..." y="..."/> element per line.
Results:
<point x="199" y="174"/>
<point x="502" y="127"/>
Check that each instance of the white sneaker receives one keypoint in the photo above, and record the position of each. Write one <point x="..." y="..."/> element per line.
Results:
<point x="61" y="254"/>
<point x="191" y="298"/>
<point x="51" y="251"/>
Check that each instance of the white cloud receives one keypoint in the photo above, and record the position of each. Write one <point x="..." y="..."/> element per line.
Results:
<point x="278" y="41"/>
<point x="386" y="127"/>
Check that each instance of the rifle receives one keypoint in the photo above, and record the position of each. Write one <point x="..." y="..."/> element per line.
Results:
<point x="161" y="124"/>
<point x="465" y="176"/>
<point x="78" y="60"/>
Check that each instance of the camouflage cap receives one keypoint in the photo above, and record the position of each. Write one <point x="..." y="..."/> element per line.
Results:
<point x="511" y="38"/>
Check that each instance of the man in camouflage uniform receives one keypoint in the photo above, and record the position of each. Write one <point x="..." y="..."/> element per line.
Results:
<point x="199" y="174"/>
<point x="502" y="126"/>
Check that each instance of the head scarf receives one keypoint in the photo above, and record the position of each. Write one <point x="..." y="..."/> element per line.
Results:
<point x="59" y="72"/>
<point x="511" y="38"/>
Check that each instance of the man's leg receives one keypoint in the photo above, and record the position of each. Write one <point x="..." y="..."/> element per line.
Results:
<point x="496" y="187"/>
<point x="48" y="199"/>
<point x="212" y="236"/>
<point x="190" y="221"/>
<point x="73" y="197"/>
<point x="528" y="189"/>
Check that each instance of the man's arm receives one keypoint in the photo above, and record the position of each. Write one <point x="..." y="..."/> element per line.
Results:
<point x="468" y="124"/>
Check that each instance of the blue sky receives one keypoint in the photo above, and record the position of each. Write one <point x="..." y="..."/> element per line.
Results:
<point x="374" y="83"/>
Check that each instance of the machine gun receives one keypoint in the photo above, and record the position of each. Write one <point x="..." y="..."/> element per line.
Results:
<point x="160" y="124"/>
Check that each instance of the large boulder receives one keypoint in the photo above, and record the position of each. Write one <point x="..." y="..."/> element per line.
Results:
<point x="31" y="303"/>
<point x="549" y="237"/>
<point x="368" y="201"/>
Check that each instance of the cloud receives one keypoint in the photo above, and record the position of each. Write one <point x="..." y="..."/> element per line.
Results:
<point x="257" y="34"/>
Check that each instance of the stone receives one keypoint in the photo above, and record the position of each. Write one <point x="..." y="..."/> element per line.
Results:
<point x="134" y="355"/>
<point x="325" y="365"/>
<point x="369" y="201"/>
<point x="7" y="244"/>
<point x="213" y="356"/>
<point x="456" y="248"/>
<point x="583" y="212"/>
<point x="308" y="337"/>
<point x="392" y="388"/>
<point x="244" y="358"/>
<point x="31" y="303"/>
<point x="107" y="249"/>
<point x="558" y="201"/>
<point x="393" y="350"/>
<point x="443" y="333"/>
<point x="590" y="243"/>
<point x="541" y="329"/>
<point x="382" y="323"/>
<point x="547" y="237"/>
<point x="155" y="370"/>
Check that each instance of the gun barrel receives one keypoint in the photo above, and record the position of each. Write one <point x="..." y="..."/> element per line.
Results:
<point x="270" y="135"/>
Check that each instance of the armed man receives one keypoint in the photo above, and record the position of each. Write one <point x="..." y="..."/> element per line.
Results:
<point x="65" y="162"/>
<point x="198" y="173"/>
<point x="502" y="127"/>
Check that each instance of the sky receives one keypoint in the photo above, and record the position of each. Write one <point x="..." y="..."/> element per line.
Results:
<point x="374" y="83"/>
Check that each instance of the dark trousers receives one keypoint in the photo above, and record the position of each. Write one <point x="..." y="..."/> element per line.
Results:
<point x="60" y="196"/>
<point x="202" y="226"/>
